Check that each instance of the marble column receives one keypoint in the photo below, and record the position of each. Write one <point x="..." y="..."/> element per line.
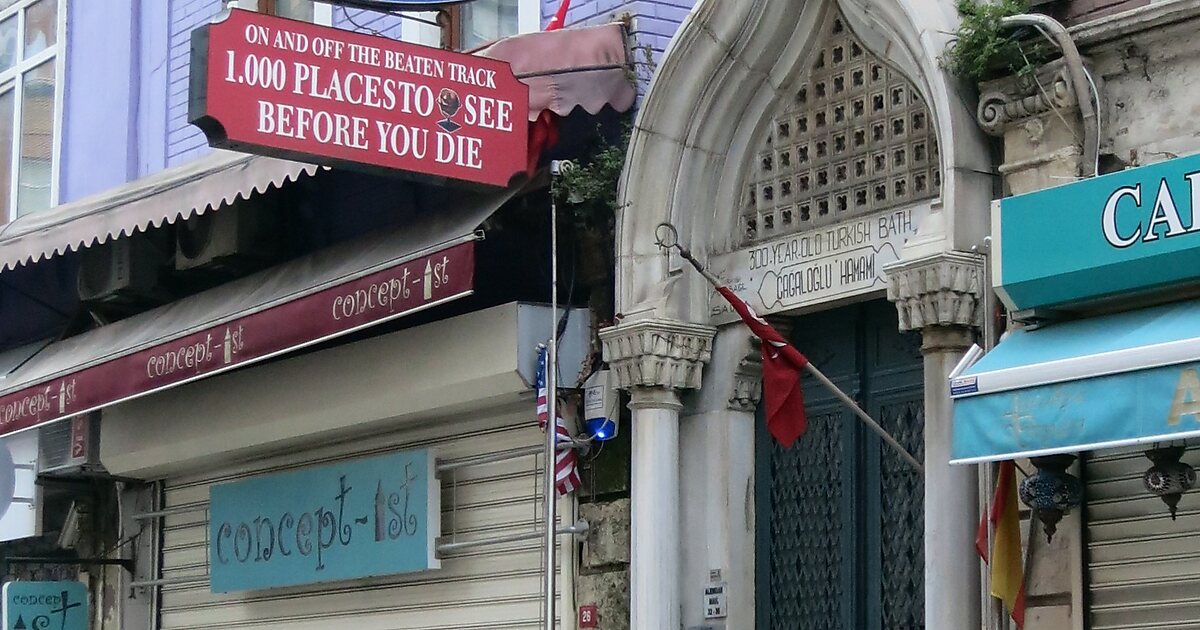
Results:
<point x="654" y="359"/>
<point x="940" y="296"/>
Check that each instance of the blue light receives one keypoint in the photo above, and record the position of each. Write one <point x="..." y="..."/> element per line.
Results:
<point x="601" y="429"/>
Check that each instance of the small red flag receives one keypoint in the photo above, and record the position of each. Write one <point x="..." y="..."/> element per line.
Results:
<point x="782" y="365"/>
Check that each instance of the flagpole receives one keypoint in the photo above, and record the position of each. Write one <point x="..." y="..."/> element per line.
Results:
<point x="550" y="489"/>
<point x="810" y="368"/>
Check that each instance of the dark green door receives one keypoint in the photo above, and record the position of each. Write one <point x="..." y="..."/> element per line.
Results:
<point x="839" y="515"/>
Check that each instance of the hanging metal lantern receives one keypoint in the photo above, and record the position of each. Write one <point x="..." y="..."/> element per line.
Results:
<point x="1051" y="492"/>
<point x="1169" y="478"/>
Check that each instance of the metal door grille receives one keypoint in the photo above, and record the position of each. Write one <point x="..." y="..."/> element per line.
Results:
<point x="902" y="495"/>
<point x="841" y="534"/>
<point x="806" y="564"/>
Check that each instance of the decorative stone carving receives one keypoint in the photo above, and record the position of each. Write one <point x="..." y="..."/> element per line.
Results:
<point x="945" y="289"/>
<point x="855" y="138"/>
<point x="1015" y="99"/>
<point x="658" y="353"/>
<point x="747" y="377"/>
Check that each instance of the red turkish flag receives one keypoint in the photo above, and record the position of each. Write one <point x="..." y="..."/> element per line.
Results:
<point x="782" y="365"/>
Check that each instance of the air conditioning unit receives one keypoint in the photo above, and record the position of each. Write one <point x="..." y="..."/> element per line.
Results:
<point x="233" y="237"/>
<point x="125" y="269"/>
<point x="71" y="446"/>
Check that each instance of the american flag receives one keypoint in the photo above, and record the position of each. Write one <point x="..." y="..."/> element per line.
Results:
<point x="566" y="469"/>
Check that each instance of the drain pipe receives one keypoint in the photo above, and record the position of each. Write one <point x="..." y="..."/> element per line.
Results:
<point x="1057" y="33"/>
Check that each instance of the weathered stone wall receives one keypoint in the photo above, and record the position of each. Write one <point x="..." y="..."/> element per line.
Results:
<point x="1142" y="58"/>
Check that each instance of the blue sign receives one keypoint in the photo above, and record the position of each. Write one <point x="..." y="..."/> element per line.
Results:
<point x="1125" y="232"/>
<point x="352" y="519"/>
<point x="45" y="606"/>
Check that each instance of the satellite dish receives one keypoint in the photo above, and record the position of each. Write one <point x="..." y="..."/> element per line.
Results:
<point x="8" y="478"/>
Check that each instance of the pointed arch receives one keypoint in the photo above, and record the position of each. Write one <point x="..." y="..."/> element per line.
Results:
<point x="709" y="109"/>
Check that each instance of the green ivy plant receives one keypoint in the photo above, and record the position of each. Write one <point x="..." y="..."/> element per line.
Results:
<point x="590" y="189"/>
<point x="984" y="50"/>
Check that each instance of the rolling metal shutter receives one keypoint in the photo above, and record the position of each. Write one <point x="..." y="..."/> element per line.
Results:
<point x="1143" y="568"/>
<point x="484" y="588"/>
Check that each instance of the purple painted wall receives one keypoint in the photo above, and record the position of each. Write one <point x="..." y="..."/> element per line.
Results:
<point x="114" y="107"/>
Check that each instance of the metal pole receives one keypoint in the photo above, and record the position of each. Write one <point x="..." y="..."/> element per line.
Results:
<point x="452" y="547"/>
<point x="549" y="488"/>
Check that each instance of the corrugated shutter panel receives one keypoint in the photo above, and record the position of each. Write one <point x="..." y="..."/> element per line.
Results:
<point x="489" y="587"/>
<point x="1143" y="568"/>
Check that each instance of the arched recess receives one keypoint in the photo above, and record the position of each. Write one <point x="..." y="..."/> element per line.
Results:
<point x="709" y="110"/>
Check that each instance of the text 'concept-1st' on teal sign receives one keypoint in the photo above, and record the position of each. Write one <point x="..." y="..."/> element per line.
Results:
<point x="1121" y="233"/>
<point x="45" y="606"/>
<point x="347" y="520"/>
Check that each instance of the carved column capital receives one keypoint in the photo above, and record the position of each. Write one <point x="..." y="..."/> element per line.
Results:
<point x="1014" y="100"/>
<point x="944" y="289"/>
<point x="747" y="376"/>
<point x="658" y="353"/>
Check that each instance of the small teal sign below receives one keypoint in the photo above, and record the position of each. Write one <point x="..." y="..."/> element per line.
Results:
<point x="354" y="519"/>
<point x="1126" y="232"/>
<point x="45" y="606"/>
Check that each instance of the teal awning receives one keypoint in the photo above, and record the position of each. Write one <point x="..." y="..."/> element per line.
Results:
<point x="1095" y="383"/>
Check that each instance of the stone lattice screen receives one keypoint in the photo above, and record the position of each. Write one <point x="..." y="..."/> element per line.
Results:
<point x="857" y="138"/>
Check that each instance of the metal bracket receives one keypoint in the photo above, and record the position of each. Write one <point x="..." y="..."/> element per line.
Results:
<point x="127" y="564"/>
<point x="1034" y="318"/>
<point x="445" y="548"/>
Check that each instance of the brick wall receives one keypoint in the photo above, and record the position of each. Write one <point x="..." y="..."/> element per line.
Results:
<point x="653" y="22"/>
<point x="184" y="141"/>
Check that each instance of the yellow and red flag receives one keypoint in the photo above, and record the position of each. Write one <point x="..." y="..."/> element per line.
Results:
<point x="1008" y="574"/>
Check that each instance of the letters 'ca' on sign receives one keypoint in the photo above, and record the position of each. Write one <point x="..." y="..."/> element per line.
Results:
<point x="272" y="86"/>
<point x="355" y="519"/>
<point x="45" y="606"/>
<point x="1127" y="232"/>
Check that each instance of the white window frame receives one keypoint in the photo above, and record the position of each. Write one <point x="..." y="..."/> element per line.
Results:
<point x="11" y="79"/>
<point x="322" y="11"/>
<point x="529" y="16"/>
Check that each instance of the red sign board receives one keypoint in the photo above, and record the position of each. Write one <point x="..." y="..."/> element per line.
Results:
<point x="588" y="617"/>
<point x="346" y="307"/>
<point x="268" y="85"/>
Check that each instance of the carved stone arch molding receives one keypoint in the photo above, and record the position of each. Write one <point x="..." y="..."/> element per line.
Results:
<point x="733" y="65"/>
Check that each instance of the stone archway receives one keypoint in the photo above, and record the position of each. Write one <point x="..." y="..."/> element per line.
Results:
<point x="710" y="107"/>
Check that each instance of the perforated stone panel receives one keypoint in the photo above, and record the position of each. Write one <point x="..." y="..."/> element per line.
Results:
<point x="857" y="138"/>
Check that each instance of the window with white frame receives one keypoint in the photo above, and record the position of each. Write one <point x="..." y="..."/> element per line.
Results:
<point x="30" y="72"/>
<point x="484" y="21"/>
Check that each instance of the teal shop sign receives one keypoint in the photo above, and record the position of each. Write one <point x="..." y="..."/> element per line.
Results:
<point x="353" y="519"/>
<point x="45" y="606"/>
<point x="1125" y="232"/>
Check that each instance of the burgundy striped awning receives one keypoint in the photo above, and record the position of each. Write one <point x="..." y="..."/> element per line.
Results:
<point x="306" y="301"/>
